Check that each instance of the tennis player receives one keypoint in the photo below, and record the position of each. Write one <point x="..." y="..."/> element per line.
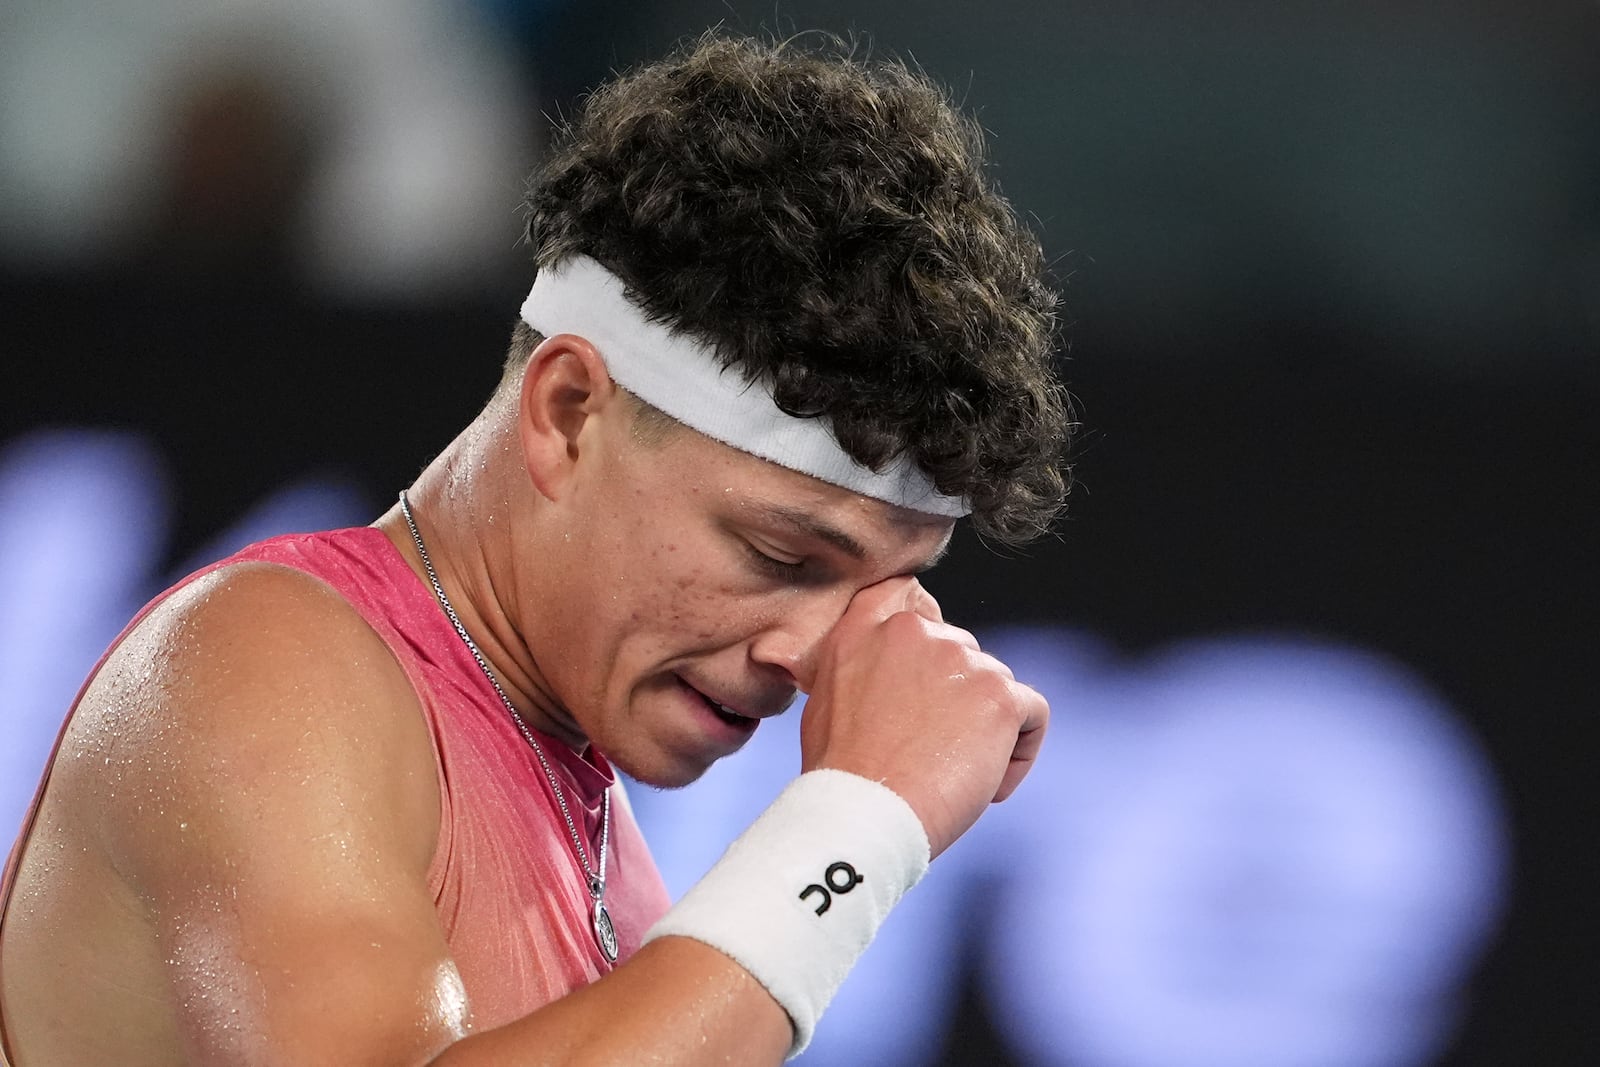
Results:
<point x="350" y="798"/>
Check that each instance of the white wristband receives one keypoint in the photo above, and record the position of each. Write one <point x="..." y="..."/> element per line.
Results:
<point x="799" y="895"/>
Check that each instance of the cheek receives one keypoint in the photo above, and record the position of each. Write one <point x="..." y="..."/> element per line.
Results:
<point x="683" y="604"/>
<point x="681" y="608"/>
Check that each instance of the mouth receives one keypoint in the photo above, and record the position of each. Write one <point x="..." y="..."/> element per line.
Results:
<point x="721" y="710"/>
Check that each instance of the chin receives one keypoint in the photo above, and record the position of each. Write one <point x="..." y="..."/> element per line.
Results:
<point x="661" y="776"/>
<point x="661" y="770"/>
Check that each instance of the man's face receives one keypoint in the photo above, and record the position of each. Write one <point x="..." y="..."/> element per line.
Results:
<point x="691" y="575"/>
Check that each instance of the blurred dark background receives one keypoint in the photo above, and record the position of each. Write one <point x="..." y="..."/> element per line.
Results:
<point x="1332" y="275"/>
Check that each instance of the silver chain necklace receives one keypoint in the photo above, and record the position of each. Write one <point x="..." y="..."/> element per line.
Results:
<point x="605" y="934"/>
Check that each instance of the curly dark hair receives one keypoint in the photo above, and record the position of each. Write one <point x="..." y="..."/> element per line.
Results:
<point x="825" y="223"/>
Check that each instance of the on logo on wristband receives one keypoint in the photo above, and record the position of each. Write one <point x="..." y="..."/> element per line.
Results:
<point x="851" y="880"/>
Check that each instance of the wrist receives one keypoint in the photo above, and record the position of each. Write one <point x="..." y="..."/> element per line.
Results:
<point x="799" y="895"/>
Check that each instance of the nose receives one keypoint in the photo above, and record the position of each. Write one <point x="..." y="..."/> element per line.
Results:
<point x="792" y="641"/>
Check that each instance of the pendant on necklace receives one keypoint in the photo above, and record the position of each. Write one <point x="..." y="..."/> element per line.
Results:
<point x="605" y="934"/>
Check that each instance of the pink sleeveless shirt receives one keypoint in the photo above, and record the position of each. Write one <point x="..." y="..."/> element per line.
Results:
<point x="510" y="893"/>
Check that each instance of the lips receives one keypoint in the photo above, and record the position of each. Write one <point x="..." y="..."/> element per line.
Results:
<point x="725" y="712"/>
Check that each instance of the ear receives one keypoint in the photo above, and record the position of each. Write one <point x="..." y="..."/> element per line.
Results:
<point x="564" y="386"/>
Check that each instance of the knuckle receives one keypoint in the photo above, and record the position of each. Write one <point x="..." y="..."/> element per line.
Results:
<point x="1006" y="701"/>
<point x="997" y="694"/>
<point x="1030" y="701"/>
<point x="904" y="625"/>
<point x="984" y="666"/>
<point x="961" y="636"/>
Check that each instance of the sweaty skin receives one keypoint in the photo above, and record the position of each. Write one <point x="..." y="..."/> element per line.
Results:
<point x="230" y="863"/>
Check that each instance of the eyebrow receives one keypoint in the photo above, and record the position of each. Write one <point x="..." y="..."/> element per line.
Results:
<point x="802" y="522"/>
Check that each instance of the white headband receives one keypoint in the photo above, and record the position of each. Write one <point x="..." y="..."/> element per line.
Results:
<point x="683" y="378"/>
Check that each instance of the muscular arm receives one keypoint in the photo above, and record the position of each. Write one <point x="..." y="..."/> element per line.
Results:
<point x="270" y="794"/>
<point x="254" y="766"/>
<point x="675" y="1002"/>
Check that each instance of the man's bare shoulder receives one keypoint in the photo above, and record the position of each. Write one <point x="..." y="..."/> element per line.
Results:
<point x="261" y="688"/>
<point x="231" y="857"/>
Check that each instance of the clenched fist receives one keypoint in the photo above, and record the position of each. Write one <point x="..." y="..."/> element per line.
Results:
<point x="904" y="698"/>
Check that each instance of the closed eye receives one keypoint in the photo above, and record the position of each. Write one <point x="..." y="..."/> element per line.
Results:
<point x="776" y="566"/>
